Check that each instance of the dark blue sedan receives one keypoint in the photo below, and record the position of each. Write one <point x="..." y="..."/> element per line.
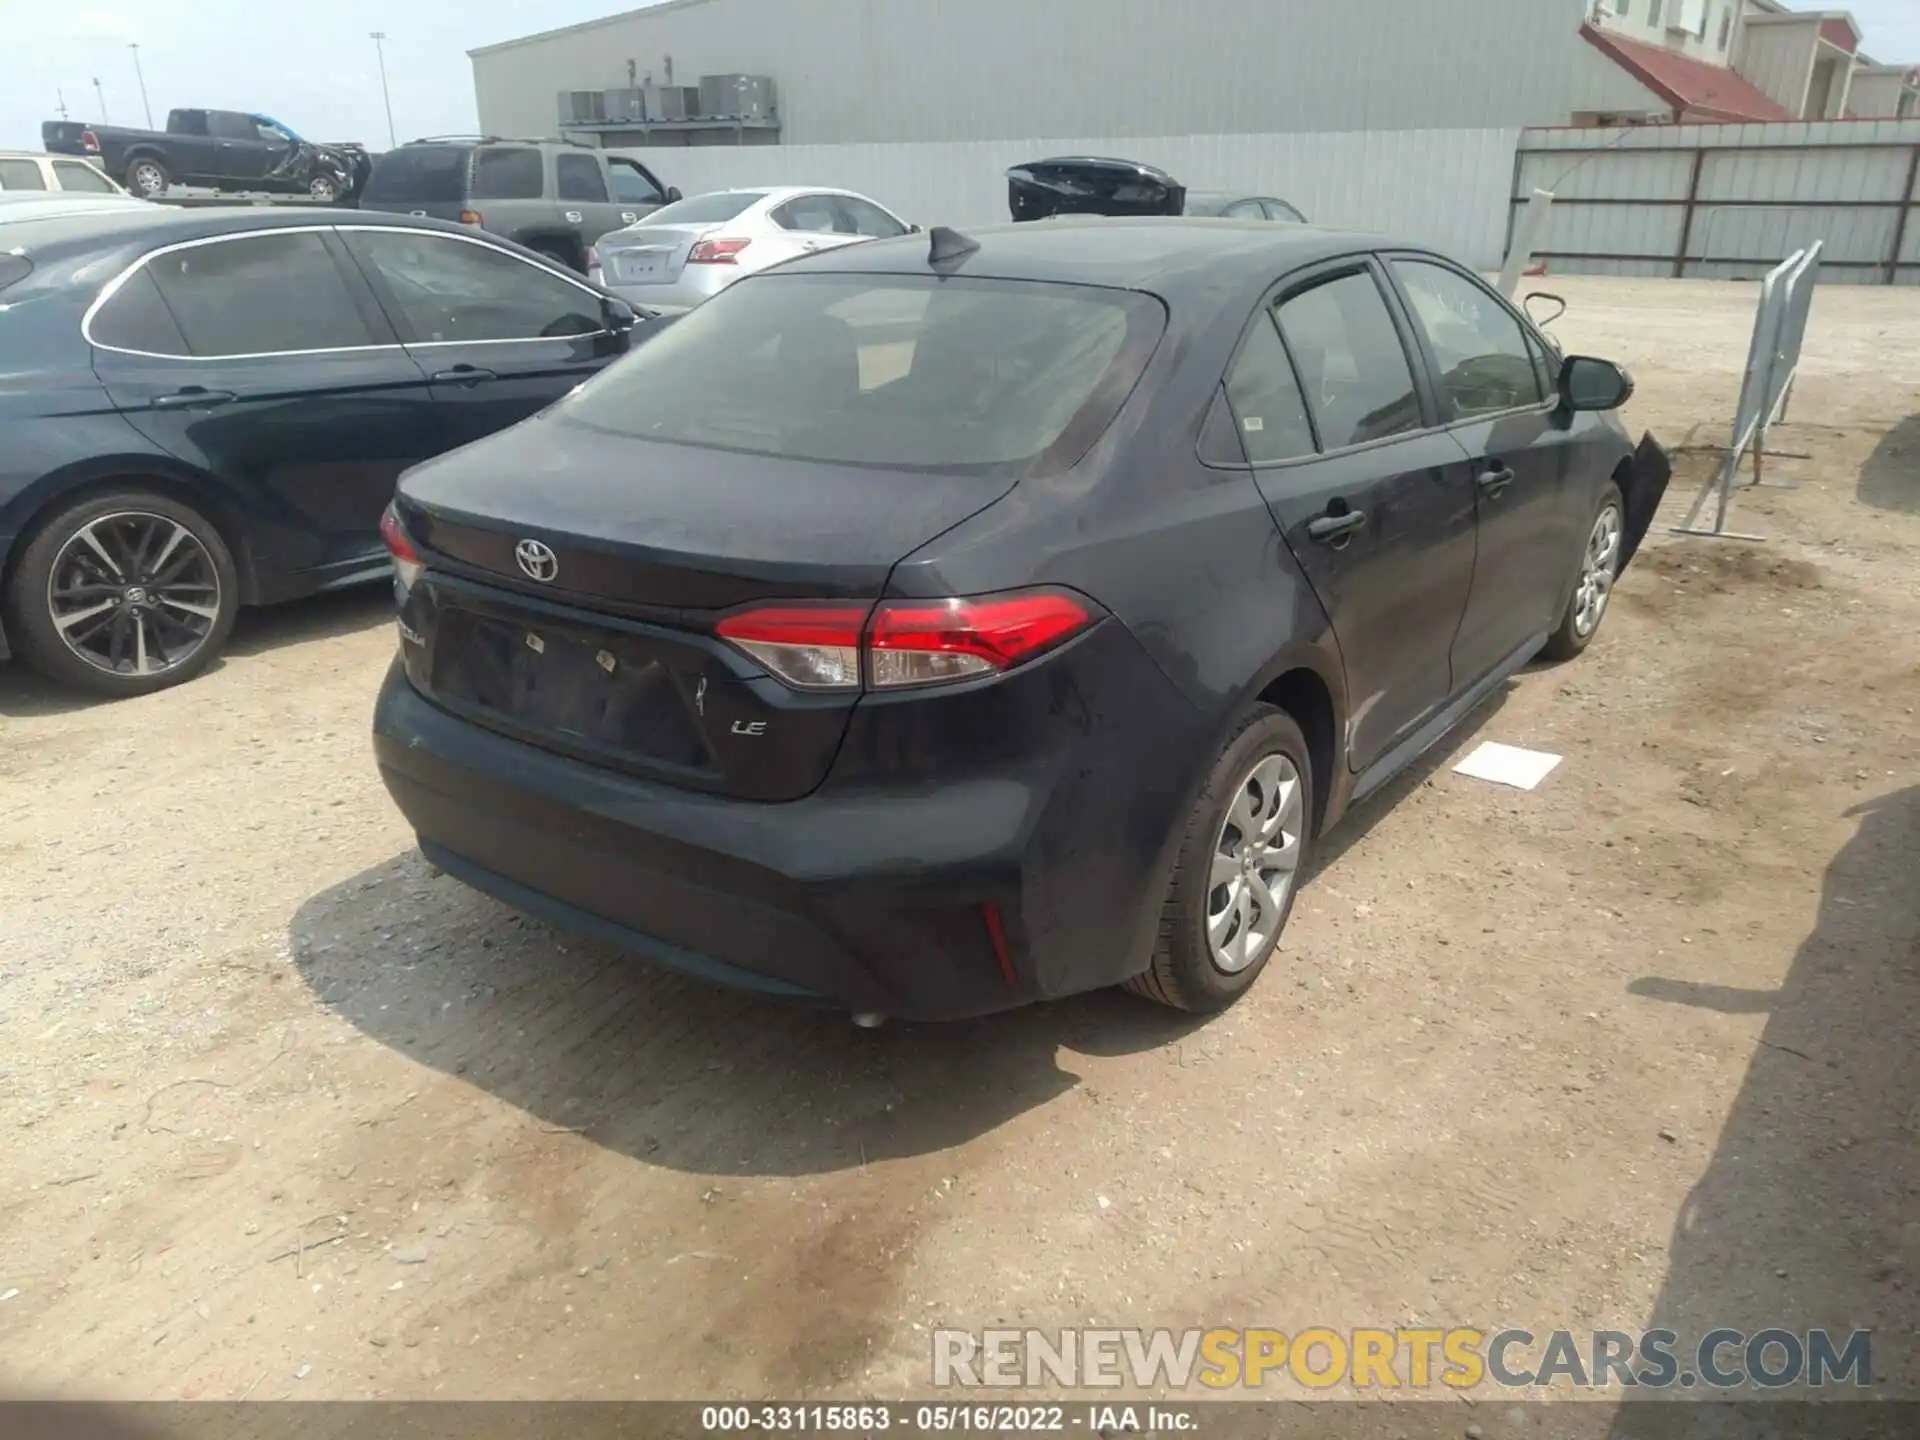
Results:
<point x="203" y="409"/>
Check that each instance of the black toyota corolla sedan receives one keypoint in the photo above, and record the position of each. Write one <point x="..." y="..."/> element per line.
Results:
<point x="202" y="409"/>
<point x="951" y="622"/>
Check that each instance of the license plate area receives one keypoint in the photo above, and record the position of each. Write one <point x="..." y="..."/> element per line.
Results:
<point x="638" y="267"/>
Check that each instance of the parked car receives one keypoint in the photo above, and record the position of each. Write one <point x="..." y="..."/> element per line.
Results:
<point x="1094" y="185"/>
<point x="692" y="250"/>
<point x="553" y="196"/>
<point x="16" y="205"/>
<point x="224" y="149"/>
<point x="209" y="408"/>
<point x="947" y="623"/>
<point x="25" y="172"/>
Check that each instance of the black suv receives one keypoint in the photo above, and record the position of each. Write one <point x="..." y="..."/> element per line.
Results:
<point x="553" y="196"/>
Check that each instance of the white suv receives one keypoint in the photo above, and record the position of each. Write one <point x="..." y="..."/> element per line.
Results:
<point x="28" y="171"/>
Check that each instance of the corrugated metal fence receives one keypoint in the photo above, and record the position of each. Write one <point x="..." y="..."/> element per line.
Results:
<point x="1728" y="201"/>
<point x="1444" y="187"/>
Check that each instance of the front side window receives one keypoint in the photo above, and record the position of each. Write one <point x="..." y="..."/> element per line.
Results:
<point x="1265" y="397"/>
<point x="21" y="175"/>
<point x="908" y="373"/>
<point x="1352" y="365"/>
<point x="273" y="134"/>
<point x="448" y="290"/>
<point x="1245" y="210"/>
<point x="577" y="177"/>
<point x="631" y="184"/>
<point x="224" y="125"/>
<point x="1480" y="348"/>
<point x="1280" y="210"/>
<point x="507" y="173"/>
<point x="78" y="175"/>
<point x="869" y="219"/>
<point x="259" y="295"/>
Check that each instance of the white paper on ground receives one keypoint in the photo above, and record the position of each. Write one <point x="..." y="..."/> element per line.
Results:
<point x="1508" y="765"/>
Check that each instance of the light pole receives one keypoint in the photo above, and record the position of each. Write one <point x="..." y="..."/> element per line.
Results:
<point x="144" y="103"/>
<point x="101" y="95"/>
<point x="379" y="49"/>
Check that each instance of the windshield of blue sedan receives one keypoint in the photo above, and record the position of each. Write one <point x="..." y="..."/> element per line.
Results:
<point x="907" y="372"/>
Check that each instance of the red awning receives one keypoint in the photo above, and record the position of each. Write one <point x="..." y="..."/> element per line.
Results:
<point x="1695" y="89"/>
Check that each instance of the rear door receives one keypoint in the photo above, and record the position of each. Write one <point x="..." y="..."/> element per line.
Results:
<point x="508" y="190"/>
<point x="262" y="359"/>
<point x="1376" y="505"/>
<point x="499" y="336"/>
<point x="1525" y="458"/>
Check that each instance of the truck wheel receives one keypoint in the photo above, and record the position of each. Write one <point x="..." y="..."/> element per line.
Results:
<point x="324" y="188"/>
<point x="147" y="177"/>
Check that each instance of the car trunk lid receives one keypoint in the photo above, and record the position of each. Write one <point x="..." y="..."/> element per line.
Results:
<point x="649" y="254"/>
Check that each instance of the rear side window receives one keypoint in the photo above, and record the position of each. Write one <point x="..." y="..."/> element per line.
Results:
<point x="903" y="372"/>
<point x="1266" y="400"/>
<point x="815" y="213"/>
<point x="420" y="175"/>
<point x="259" y="295"/>
<point x="21" y="175"/>
<point x="136" y="318"/>
<point x="78" y="175"/>
<point x="1352" y="365"/>
<point x="577" y="177"/>
<point x="507" y="173"/>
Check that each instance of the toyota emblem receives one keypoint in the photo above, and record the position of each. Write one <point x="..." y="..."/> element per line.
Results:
<point x="537" y="560"/>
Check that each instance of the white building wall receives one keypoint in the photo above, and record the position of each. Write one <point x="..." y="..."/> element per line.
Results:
<point x="863" y="71"/>
<point x="1876" y="93"/>
<point x="1700" y="21"/>
<point x="1776" y="57"/>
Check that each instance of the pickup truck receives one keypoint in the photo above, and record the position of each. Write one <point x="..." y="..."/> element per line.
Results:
<point x="221" y="149"/>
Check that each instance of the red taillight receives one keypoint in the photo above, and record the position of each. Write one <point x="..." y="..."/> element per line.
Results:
<point x="716" y="252"/>
<point x="904" y="643"/>
<point x="472" y="217"/>
<point x="406" y="560"/>
<point x="90" y="142"/>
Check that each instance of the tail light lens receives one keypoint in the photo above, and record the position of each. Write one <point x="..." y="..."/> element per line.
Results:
<point x="716" y="252"/>
<point x="90" y="142"/>
<point x="472" y="217"/>
<point x="901" y="644"/>
<point x="406" y="560"/>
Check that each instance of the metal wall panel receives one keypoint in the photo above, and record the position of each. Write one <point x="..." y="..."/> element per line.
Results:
<point x="880" y="71"/>
<point x="1444" y="188"/>
<point x="1777" y="58"/>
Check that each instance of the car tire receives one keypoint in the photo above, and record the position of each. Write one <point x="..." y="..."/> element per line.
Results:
<point x="147" y="177"/>
<point x="160" y="565"/>
<point x="1600" y="553"/>
<point x="560" y="257"/>
<point x="1264" y="774"/>
<point x="324" y="189"/>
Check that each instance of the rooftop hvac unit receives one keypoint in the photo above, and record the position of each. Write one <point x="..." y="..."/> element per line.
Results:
<point x="627" y="104"/>
<point x="582" y="107"/>
<point x="672" y="102"/>
<point x="744" y="97"/>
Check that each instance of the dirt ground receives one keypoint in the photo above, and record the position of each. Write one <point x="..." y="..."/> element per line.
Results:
<point x="285" y="1116"/>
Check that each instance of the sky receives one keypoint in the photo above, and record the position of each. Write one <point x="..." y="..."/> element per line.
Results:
<point x="311" y="65"/>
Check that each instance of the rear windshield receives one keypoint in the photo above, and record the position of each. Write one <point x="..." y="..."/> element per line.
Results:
<point x="507" y="174"/>
<point x="421" y="174"/>
<point x="706" y="209"/>
<point x="906" y="372"/>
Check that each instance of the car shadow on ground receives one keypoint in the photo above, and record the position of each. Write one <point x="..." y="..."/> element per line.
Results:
<point x="1890" y="480"/>
<point x="25" y="694"/>
<point x="1808" y="1213"/>
<point x="685" y="1076"/>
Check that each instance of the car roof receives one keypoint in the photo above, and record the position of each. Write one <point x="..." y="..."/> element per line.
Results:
<point x="145" y="223"/>
<point x="1160" y="254"/>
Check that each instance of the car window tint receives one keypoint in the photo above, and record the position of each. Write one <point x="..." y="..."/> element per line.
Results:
<point x="1352" y="365"/>
<point x="814" y="213"/>
<point x="1546" y="366"/>
<point x="869" y="219"/>
<point x="507" y="173"/>
<point x="631" y="185"/>
<point x="260" y="295"/>
<point x="78" y="175"/>
<point x="231" y="127"/>
<point x="707" y="209"/>
<point x="907" y="373"/>
<point x="1265" y="397"/>
<point x="1280" y="210"/>
<point x="136" y="318"/>
<point x="1246" y="210"/>
<point x="420" y="175"/>
<point x="21" y="175"/>
<point x="266" y="130"/>
<point x="577" y="177"/>
<point x="1479" y="347"/>
<point x="453" y="290"/>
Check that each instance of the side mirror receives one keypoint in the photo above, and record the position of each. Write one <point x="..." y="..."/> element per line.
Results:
<point x="1590" y="384"/>
<point x="619" y="315"/>
<point x="674" y="197"/>
<point x="913" y="229"/>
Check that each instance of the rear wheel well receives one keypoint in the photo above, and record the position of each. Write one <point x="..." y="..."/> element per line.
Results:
<point x="1304" y="696"/>
<point x="562" y="246"/>
<point x="232" y="534"/>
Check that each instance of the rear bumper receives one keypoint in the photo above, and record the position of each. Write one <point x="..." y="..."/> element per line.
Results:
<point x="697" y="283"/>
<point x="865" y="895"/>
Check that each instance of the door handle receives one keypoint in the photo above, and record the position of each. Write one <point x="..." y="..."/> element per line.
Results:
<point x="193" y="397"/>
<point x="1336" y="530"/>
<point x="1492" y="482"/>
<point x="468" y="375"/>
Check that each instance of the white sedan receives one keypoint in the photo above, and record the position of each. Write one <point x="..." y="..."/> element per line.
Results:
<point x="693" y="249"/>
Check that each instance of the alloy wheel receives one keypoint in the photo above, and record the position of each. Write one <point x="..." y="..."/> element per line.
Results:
<point x="134" y="593"/>
<point x="1255" y="859"/>
<point x="322" y="188"/>
<point x="1599" y="567"/>
<point x="148" y="178"/>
